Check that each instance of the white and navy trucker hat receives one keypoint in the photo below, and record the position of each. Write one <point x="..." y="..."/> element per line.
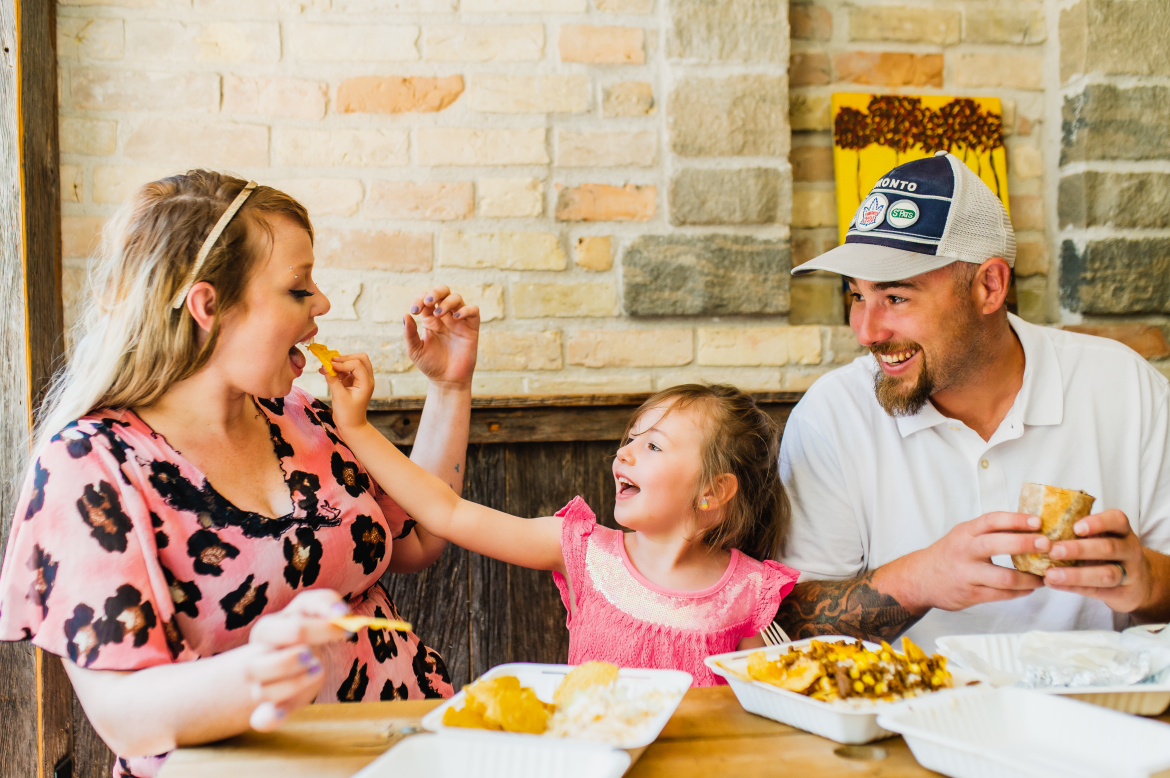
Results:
<point x="919" y="217"/>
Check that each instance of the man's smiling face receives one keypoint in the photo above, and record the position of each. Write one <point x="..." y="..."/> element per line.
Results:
<point x="925" y="332"/>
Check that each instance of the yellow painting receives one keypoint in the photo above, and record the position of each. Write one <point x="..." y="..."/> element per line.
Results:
<point x="874" y="133"/>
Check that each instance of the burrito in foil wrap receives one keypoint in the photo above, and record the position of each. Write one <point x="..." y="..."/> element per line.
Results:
<point x="1058" y="509"/>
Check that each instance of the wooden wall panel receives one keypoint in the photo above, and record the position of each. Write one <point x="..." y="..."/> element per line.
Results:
<point x="35" y="697"/>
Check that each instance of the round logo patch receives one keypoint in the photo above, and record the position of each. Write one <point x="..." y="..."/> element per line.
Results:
<point x="872" y="212"/>
<point x="902" y="214"/>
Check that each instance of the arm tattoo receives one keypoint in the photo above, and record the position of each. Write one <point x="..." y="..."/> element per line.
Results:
<point x="853" y="607"/>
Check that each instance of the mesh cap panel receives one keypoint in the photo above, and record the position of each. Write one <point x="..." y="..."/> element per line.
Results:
<point x="978" y="227"/>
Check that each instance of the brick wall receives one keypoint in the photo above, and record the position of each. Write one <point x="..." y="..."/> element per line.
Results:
<point x="607" y="179"/>
<point x="615" y="182"/>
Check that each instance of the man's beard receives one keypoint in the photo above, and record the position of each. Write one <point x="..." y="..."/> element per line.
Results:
<point x="959" y="356"/>
<point x="894" y="399"/>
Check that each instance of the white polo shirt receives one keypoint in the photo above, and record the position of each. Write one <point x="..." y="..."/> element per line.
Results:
<point x="867" y="488"/>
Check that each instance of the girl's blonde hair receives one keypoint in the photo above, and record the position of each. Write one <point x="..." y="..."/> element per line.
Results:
<point x="129" y="346"/>
<point x="743" y="441"/>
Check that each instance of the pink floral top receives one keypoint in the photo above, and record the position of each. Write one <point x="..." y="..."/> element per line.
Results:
<point x="623" y="618"/>
<point x="122" y="556"/>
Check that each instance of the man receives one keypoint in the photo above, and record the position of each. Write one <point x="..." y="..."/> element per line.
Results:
<point x="904" y="468"/>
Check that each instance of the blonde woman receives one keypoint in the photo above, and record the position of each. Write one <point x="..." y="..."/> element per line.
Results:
<point x="190" y="521"/>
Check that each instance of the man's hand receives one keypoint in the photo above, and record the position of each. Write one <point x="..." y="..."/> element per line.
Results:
<point x="956" y="571"/>
<point x="1117" y="570"/>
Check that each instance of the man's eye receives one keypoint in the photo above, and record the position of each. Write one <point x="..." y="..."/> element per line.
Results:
<point x="856" y="296"/>
<point x="300" y="294"/>
<point x="895" y="299"/>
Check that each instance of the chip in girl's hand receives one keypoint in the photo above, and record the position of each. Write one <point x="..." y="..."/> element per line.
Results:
<point x="326" y="355"/>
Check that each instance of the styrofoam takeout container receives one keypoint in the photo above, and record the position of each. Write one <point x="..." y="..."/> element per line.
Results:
<point x="1018" y="733"/>
<point x="544" y="679"/>
<point x="1001" y="653"/>
<point x="836" y="721"/>
<point x="473" y="754"/>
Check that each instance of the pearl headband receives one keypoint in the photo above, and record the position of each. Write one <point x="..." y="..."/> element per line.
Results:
<point x="205" y="249"/>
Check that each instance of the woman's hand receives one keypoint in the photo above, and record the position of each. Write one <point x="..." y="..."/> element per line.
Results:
<point x="350" y="390"/>
<point x="445" y="349"/>
<point x="286" y="671"/>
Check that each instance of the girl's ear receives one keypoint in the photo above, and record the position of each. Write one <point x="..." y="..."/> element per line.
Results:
<point x="201" y="305"/>
<point x="718" y="493"/>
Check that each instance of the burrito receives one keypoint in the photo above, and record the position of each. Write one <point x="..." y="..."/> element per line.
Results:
<point x="1058" y="509"/>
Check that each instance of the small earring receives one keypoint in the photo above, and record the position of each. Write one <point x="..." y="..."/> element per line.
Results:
<point x="703" y="505"/>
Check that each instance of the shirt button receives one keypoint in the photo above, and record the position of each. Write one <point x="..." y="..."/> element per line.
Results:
<point x="984" y="464"/>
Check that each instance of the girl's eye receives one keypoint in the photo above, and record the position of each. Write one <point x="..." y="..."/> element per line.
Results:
<point x="300" y="294"/>
<point x="652" y="447"/>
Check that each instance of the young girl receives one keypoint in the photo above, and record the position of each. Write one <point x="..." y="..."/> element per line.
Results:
<point x="697" y="482"/>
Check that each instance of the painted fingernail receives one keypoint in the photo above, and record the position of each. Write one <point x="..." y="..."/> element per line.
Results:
<point x="1081" y="528"/>
<point x="438" y="311"/>
<point x="1034" y="522"/>
<point x="279" y="713"/>
<point x="414" y="309"/>
<point x="430" y="299"/>
<point x="456" y="315"/>
<point x="339" y="608"/>
<point x="315" y="668"/>
<point x="305" y="658"/>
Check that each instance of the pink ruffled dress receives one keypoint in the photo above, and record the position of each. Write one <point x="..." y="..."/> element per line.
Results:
<point x="623" y="618"/>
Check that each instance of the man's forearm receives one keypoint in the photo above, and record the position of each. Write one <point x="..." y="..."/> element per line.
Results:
<point x="1156" y="609"/>
<point x="856" y="607"/>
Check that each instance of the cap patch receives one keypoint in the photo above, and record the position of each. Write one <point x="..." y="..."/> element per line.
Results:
<point x="902" y="214"/>
<point x="872" y="212"/>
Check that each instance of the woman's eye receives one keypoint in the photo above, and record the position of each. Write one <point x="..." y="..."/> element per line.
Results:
<point x="300" y="294"/>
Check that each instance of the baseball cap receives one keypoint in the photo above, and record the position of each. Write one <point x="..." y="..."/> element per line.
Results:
<point x="921" y="216"/>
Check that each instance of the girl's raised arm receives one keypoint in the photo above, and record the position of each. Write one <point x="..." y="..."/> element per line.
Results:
<point x="534" y="543"/>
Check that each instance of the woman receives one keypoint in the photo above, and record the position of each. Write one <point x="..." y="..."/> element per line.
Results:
<point x="184" y="498"/>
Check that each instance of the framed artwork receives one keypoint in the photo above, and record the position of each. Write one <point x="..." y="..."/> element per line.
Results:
<point x="874" y="133"/>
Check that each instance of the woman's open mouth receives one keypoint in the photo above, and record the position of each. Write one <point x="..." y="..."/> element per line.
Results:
<point x="625" y="487"/>
<point x="297" y="360"/>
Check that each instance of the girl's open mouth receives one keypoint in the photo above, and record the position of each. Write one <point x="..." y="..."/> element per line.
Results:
<point x="626" y="487"/>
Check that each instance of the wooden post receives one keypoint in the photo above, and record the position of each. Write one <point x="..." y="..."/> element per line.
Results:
<point x="36" y="702"/>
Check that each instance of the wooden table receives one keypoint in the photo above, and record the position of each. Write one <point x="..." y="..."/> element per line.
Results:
<point x="709" y="734"/>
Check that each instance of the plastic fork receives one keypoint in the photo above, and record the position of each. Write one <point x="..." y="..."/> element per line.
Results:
<point x="773" y="635"/>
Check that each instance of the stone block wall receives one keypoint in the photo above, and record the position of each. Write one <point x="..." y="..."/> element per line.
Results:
<point x="974" y="48"/>
<point x="608" y="179"/>
<point x="622" y="185"/>
<point x="1113" y="196"/>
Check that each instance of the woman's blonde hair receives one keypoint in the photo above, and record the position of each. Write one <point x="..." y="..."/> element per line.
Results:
<point x="742" y="440"/>
<point x="129" y="346"/>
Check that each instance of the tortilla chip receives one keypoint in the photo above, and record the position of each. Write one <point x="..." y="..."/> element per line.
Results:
<point x="355" y="623"/>
<point x="326" y="355"/>
<point x="582" y="677"/>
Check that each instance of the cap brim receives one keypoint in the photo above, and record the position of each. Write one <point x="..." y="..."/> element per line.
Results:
<point x="871" y="262"/>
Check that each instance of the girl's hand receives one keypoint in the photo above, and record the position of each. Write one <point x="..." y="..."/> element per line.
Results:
<point x="286" y="671"/>
<point x="350" y="389"/>
<point x="446" y="348"/>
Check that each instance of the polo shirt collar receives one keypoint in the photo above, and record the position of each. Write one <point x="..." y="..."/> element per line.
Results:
<point x="1040" y="400"/>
